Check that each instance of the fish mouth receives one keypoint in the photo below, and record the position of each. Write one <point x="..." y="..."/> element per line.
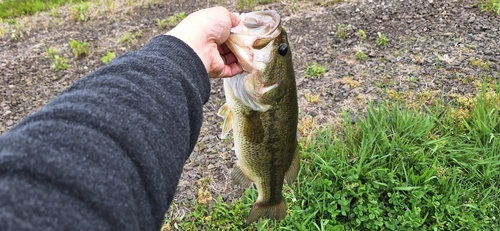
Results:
<point x="250" y="39"/>
<point x="263" y="25"/>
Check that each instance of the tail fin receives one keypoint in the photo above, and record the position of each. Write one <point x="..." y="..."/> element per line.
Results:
<point x="275" y="212"/>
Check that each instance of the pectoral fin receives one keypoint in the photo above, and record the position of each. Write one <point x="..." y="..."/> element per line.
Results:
<point x="239" y="178"/>
<point x="227" y="114"/>
<point x="294" y="168"/>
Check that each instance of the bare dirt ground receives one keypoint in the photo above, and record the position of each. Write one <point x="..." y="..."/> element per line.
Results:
<point x="436" y="48"/>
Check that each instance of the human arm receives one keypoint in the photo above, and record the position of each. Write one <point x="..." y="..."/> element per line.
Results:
<point x="107" y="153"/>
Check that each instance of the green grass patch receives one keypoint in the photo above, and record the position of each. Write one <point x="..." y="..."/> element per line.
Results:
<point x="175" y="19"/>
<point x="13" y="8"/>
<point x="79" y="49"/>
<point x="396" y="168"/>
<point x="58" y="61"/>
<point x="361" y="55"/>
<point x="108" y="57"/>
<point x="130" y="37"/>
<point x="314" y="70"/>
<point x="382" y="40"/>
<point x="490" y="5"/>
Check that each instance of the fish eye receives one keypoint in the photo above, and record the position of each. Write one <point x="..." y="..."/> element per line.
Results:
<point x="283" y="49"/>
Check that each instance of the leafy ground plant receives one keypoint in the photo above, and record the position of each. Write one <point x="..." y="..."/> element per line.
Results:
<point x="394" y="169"/>
<point x="16" y="29"/>
<point x="382" y="40"/>
<point x="490" y="5"/>
<point x="79" y="49"/>
<point x="341" y="34"/>
<point x="362" y="34"/>
<point x="130" y="37"/>
<point x="58" y="62"/>
<point x="108" y="57"/>
<point x="314" y="70"/>
<point x="360" y="55"/>
<point x="176" y="18"/>
<point x="79" y="12"/>
<point x="161" y="23"/>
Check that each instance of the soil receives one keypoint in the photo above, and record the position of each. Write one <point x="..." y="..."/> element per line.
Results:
<point x="435" y="48"/>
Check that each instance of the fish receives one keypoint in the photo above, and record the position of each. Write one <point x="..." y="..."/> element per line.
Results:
<point x="262" y="111"/>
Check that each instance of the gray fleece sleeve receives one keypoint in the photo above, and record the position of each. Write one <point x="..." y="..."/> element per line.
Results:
<point x="107" y="153"/>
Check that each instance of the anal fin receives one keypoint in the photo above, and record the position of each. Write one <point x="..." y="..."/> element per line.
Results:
<point x="239" y="178"/>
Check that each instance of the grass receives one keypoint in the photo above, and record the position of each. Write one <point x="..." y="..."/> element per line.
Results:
<point x="395" y="168"/>
<point x="58" y="62"/>
<point x="361" y="55"/>
<point x="314" y="70"/>
<point x="16" y="29"/>
<point x="382" y="40"/>
<point x="79" y="12"/>
<point x="341" y="33"/>
<point x="480" y="63"/>
<point x="79" y="49"/>
<point x="130" y="37"/>
<point x="362" y="34"/>
<point x="13" y="8"/>
<point x="175" y="19"/>
<point x="108" y="57"/>
<point x="490" y="5"/>
<point x="161" y="23"/>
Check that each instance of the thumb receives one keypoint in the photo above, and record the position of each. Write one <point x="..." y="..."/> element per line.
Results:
<point x="235" y="19"/>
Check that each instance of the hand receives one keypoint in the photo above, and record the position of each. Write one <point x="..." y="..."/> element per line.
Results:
<point x="206" y="31"/>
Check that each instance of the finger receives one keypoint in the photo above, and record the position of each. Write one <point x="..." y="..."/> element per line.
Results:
<point x="231" y="70"/>
<point x="224" y="49"/>
<point x="235" y="19"/>
<point x="229" y="58"/>
<point x="221" y="50"/>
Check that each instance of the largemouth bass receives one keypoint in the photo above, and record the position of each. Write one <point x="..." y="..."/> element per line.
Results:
<point x="261" y="108"/>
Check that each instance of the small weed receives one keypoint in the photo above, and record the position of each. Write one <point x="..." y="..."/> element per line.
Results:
<point x="16" y="29"/>
<point x="54" y="12"/>
<point x="110" y="5"/>
<point x="315" y="70"/>
<point x="176" y="18"/>
<point x="2" y="30"/>
<point x="180" y="16"/>
<point x="361" y="56"/>
<point x="79" y="12"/>
<point x="126" y="37"/>
<point x="79" y="49"/>
<point x="490" y="5"/>
<point x="161" y="23"/>
<point x="382" y="40"/>
<point x="242" y="3"/>
<point x="312" y="98"/>
<point x="341" y="34"/>
<point x="480" y="63"/>
<point x="130" y="37"/>
<point x="138" y="34"/>
<point x="351" y="82"/>
<point x="58" y="62"/>
<point x="362" y="34"/>
<point x="108" y="57"/>
<point x="50" y="52"/>
<point x="172" y="21"/>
